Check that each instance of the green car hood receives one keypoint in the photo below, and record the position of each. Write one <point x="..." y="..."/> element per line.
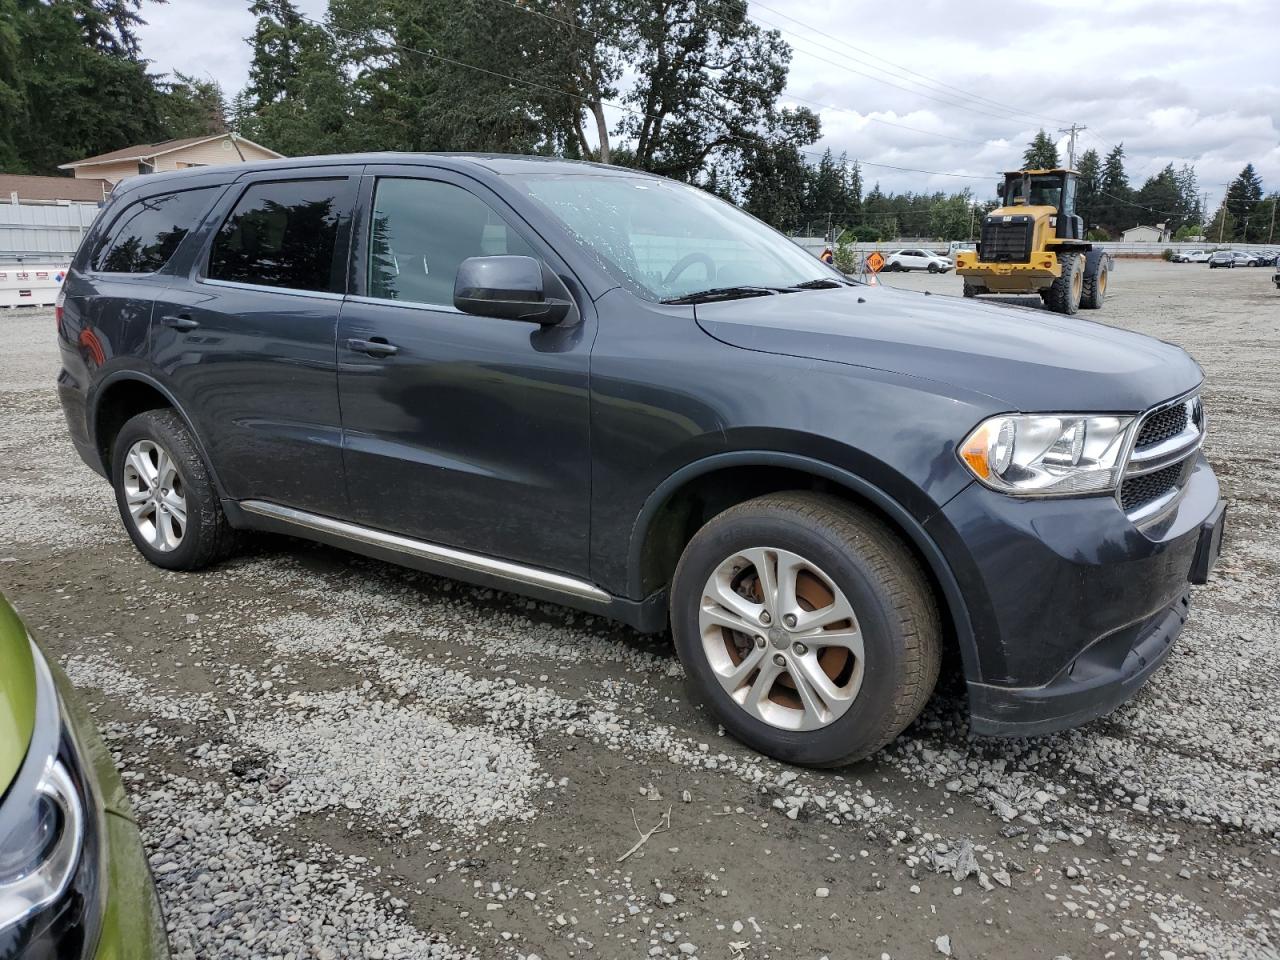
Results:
<point x="17" y="694"/>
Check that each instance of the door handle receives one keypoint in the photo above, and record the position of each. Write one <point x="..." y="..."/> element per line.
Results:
<point x="180" y="322"/>
<point x="374" y="347"/>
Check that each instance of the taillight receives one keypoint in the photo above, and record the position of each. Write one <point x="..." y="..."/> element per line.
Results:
<point x="57" y="309"/>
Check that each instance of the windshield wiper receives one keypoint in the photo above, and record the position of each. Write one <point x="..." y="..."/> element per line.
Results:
<point x="725" y="293"/>
<point x="821" y="283"/>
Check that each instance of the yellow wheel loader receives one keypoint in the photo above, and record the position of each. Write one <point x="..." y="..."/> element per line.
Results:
<point x="1034" y="243"/>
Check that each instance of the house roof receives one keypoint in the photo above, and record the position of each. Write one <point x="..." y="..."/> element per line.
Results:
<point x="148" y="151"/>
<point x="83" y="190"/>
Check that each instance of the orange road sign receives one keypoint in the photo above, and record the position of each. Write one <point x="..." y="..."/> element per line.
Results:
<point x="874" y="262"/>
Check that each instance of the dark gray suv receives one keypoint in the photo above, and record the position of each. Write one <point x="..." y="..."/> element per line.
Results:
<point x="606" y="389"/>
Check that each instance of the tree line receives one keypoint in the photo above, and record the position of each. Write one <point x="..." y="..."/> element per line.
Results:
<point x="693" y="88"/>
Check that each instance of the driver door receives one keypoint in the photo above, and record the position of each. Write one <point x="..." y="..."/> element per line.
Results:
<point x="460" y="430"/>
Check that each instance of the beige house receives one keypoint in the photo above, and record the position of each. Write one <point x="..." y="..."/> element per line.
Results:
<point x="1145" y="234"/>
<point x="209" y="151"/>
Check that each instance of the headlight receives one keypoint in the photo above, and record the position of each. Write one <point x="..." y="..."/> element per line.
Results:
<point x="50" y="839"/>
<point x="1040" y="455"/>
<point x="39" y="856"/>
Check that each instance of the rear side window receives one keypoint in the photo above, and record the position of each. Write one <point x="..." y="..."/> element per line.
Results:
<point x="146" y="234"/>
<point x="421" y="232"/>
<point x="282" y="234"/>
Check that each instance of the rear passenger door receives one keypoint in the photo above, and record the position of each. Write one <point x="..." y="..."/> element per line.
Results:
<point x="246" y="336"/>
<point x="461" y="430"/>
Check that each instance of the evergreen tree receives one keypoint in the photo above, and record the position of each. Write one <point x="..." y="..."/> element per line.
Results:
<point x="1088" y="185"/>
<point x="1041" y="153"/>
<point x="1242" y="197"/>
<point x="192" y="107"/>
<point x="1115" y="208"/>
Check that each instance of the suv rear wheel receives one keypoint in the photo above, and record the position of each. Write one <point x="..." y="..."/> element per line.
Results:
<point x="165" y="495"/>
<point x="808" y="627"/>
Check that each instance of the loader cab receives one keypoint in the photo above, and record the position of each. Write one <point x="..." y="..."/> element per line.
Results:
<point x="1040" y="188"/>
<point x="1054" y="189"/>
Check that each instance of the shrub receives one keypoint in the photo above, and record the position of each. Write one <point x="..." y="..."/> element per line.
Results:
<point x="1168" y="253"/>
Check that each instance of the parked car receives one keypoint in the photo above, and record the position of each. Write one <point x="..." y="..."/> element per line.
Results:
<point x="1276" y="277"/>
<point x="74" y="881"/>
<point x="603" y="388"/>
<point x="1261" y="258"/>
<point x="916" y="259"/>
<point x="1229" y="258"/>
<point x="1190" y="256"/>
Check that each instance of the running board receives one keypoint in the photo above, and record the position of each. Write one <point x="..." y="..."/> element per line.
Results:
<point x="434" y="552"/>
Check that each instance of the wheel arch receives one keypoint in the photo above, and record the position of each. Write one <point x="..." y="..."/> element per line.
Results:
<point x="122" y="396"/>
<point x="706" y="487"/>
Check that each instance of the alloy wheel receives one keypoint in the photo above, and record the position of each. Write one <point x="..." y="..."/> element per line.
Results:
<point x="782" y="639"/>
<point x="155" y="495"/>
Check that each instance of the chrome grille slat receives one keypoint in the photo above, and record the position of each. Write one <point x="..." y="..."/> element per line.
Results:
<point x="1158" y="464"/>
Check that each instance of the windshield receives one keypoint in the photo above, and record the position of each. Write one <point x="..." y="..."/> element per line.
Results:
<point x="664" y="240"/>
<point x="1044" y="190"/>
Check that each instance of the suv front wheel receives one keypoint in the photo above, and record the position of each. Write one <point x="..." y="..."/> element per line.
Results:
<point x="166" y="498"/>
<point x="808" y="627"/>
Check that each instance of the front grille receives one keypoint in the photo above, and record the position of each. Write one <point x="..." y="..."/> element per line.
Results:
<point x="1137" y="492"/>
<point x="1006" y="242"/>
<point x="1162" y="425"/>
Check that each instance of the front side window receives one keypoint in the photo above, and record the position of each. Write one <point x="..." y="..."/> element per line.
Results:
<point x="420" y="233"/>
<point x="147" y="233"/>
<point x="664" y="240"/>
<point x="281" y="234"/>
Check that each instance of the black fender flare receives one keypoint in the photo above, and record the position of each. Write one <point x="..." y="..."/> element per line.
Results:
<point x="1093" y="261"/>
<point x="957" y="609"/>
<point x="138" y="376"/>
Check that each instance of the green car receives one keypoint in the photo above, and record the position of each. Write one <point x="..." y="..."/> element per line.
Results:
<point x="74" y="882"/>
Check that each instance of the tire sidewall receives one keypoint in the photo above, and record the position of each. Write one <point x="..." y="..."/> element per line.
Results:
<point x="151" y="427"/>
<point x="862" y="726"/>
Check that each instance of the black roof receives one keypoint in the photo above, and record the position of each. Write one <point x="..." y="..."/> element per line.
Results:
<point x="498" y="164"/>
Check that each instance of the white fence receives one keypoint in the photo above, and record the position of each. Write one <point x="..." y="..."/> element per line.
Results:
<point x="43" y="232"/>
<point x="816" y="245"/>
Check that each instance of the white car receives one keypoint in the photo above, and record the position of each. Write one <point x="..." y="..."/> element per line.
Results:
<point x="1191" y="256"/>
<point x="915" y="259"/>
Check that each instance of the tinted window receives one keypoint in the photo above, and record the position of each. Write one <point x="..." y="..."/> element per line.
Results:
<point x="146" y="234"/>
<point x="281" y="234"/>
<point x="422" y="230"/>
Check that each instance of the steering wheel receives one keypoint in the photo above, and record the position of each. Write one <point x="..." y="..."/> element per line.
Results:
<point x="688" y="260"/>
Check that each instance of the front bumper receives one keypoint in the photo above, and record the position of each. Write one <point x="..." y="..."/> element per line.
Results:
<point x="1072" y="606"/>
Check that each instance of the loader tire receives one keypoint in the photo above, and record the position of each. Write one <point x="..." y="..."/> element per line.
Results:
<point x="1095" y="285"/>
<point x="1063" y="296"/>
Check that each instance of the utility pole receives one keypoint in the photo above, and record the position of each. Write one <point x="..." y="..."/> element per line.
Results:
<point x="1272" y="232"/>
<point x="1204" y="210"/>
<point x="1071" y="143"/>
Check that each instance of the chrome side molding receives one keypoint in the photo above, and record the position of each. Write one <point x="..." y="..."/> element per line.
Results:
<point x="450" y="556"/>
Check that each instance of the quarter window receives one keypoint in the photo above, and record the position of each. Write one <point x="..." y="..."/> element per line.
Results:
<point x="420" y="233"/>
<point x="281" y="234"/>
<point x="147" y="233"/>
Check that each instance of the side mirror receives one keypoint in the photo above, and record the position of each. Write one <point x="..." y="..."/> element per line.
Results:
<point x="509" y="288"/>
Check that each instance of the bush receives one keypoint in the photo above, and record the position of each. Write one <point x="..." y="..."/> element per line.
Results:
<point x="1168" y="253"/>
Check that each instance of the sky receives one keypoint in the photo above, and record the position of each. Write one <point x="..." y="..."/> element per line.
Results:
<point x="1178" y="81"/>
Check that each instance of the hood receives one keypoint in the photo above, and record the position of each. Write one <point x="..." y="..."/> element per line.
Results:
<point x="17" y="694"/>
<point x="1029" y="360"/>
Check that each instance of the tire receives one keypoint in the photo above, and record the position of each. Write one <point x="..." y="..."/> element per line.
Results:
<point x="971" y="290"/>
<point x="1063" y="296"/>
<point x="867" y="569"/>
<point x="1095" y="286"/>
<point x="933" y="268"/>
<point x="156" y="448"/>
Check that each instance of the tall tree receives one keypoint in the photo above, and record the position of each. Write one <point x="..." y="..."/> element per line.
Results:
<point x="191" y="107"/>
<point x="1161" y="200"/>
<point x="72" y="89"/>
<point x="709" y="81"/>
<point x="1089" y="183"/>
<point x="1242" y="196"/>
<point x="1115" y="208"/>
<point x="1041" y="153"/>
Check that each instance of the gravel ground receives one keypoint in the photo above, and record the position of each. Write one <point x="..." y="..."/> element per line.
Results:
<point x="331" y="757"/>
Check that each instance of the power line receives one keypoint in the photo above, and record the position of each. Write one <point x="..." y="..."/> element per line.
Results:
<point x="950" y="89"/>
